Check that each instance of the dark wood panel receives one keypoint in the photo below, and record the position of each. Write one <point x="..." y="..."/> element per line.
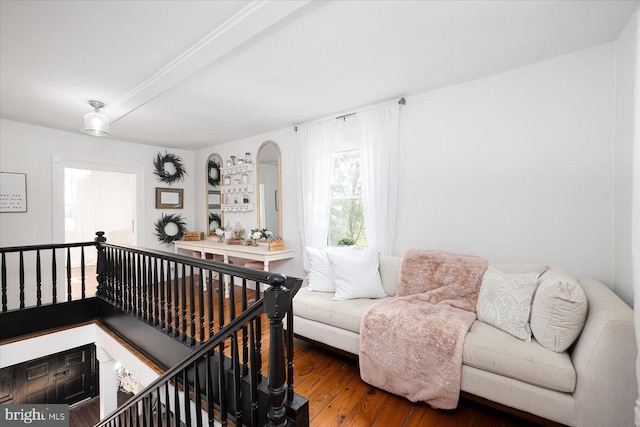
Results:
<point x="66" y="377"/>
<point x="32" y="320"/>
<point x="7" y="386"/>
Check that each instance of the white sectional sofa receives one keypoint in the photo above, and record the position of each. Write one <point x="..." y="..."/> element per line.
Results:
<point x="591" y="384"/>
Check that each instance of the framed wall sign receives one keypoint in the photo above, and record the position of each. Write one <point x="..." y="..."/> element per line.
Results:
<point x="13" y="192"/>
<point x="169" y="198"/>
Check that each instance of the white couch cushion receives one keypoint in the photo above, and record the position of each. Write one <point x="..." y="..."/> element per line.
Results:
<point x="504" y="301"/>
<point x="559" y="310"/>
<point x="318" y="306"/>
<point x="390" y="272"/>
<point x="356" y="274"/>
<point x="493" y="350"/>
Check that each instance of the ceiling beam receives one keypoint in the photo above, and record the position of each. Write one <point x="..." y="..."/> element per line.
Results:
<point x="241" y="27"/>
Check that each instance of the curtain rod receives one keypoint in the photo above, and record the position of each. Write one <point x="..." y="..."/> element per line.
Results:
<point x="401" y="101"/>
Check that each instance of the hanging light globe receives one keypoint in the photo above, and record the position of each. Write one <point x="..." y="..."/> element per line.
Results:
<point x="96" y="123"/>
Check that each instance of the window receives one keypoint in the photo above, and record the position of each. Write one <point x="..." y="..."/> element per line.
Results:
<point x="346" y="223"/>
<point x="348" y="176"/>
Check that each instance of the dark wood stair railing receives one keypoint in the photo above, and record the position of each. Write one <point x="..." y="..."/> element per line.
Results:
<point x="168" y="399"/>
<point x="158" y="290"/>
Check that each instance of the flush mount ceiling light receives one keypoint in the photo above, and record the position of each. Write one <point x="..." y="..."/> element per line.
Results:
<point x="96" y="123"/>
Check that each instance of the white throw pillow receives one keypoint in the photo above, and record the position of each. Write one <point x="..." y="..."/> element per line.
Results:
<point x="320" y="279"/>
<point x="505" y="300"/>
<point x="356" y="274"/>
<point x="559" y="310"/>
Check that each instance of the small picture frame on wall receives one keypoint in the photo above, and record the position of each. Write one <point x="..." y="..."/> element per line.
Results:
<point x="169" y="198"/>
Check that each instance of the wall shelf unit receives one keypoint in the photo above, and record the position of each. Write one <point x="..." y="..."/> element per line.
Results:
<point x="238" y="207"/>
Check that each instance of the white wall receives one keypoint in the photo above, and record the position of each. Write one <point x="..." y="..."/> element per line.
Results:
<point x="30" y="149"/>
<point x="626" y="114"/>
<point x="515" y="167"/>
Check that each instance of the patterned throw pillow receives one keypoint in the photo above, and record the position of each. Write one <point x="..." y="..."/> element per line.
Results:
<point x="505" y="300"/>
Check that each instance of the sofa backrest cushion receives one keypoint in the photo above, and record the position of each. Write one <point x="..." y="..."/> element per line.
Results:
<point x="389" y="273"/>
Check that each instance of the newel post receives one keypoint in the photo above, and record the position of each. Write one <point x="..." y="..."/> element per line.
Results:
<point x="277" y="302"/>
<point x="102" y="264"/>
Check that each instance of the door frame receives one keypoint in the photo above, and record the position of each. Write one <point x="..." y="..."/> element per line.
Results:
<point x="58" y="167"/>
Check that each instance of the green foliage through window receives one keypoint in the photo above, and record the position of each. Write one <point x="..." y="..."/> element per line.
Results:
<point x="347" y="213"/>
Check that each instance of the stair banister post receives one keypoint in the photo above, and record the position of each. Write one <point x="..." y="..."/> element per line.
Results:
<point x="102" y="264"/>
<point x="277" y="302"/>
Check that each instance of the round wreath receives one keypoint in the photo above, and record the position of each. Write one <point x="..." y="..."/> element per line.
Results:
<point x="165" y="176"/>
<point x="214" y="218"/>
<point x="161" y="226"/>
<point x="213" y="167"/>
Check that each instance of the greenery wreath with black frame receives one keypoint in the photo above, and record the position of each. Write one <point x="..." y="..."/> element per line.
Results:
<point x="214" y="219"/>
<point x="168" y="176"/>
<point x="213" y="178"/>
<point x="161" y="228"/>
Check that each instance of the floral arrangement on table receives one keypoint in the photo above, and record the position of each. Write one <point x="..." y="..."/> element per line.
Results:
<point x="260" y="234"/>
<point x="220" y="233"/>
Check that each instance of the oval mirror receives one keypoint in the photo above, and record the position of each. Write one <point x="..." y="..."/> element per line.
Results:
<point x="215" y="216"/>
<point x="269" y="188"/>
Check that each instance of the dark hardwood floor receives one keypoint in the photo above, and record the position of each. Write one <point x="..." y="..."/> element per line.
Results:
<point x="87" y="414"/>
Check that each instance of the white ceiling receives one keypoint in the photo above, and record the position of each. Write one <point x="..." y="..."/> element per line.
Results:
<point x="190" y="74"/>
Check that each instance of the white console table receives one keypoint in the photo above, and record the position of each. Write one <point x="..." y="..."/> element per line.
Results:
<point x="252" y="253"/>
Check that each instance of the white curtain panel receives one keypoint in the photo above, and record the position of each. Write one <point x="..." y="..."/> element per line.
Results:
<point x="635" y="216"/>
<point x="379" y="166"/>
<point x="315" y="143"/>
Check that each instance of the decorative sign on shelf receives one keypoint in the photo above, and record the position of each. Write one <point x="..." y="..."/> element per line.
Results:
<point x="13" y="192"/>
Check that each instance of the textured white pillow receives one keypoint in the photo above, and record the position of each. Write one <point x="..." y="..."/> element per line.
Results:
<point x="320" y="279"/>
<point x="356" y="274"/>
<point x="504" y="301"/>
<point x="521" y="268"/>
<point x="559" y="310"/>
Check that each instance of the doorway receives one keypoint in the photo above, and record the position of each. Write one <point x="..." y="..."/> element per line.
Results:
<point x="90" y="197"/>
<point x="97" y="200"/>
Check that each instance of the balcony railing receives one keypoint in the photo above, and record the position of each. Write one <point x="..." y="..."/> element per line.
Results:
<point x="179" y="297"/>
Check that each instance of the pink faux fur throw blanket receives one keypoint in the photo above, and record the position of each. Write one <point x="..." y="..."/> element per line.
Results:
<point x="411" y="345"/>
